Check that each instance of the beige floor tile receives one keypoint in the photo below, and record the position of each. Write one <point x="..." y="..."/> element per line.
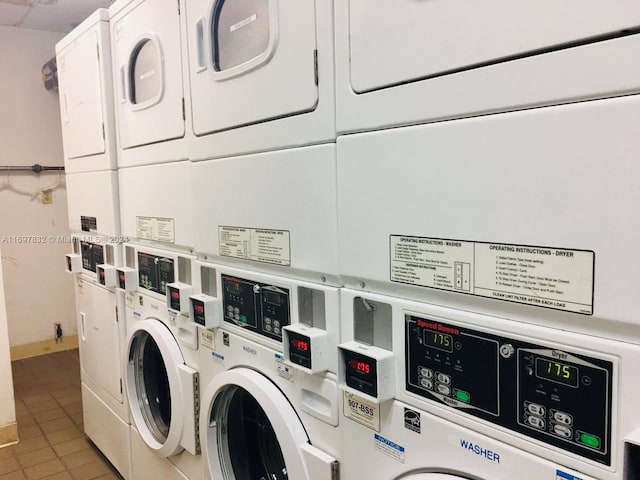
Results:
<point x="81" y="458"/>
<point x="25" y="419"/>
<point x="64" y="435"/>
<point x="17" y="475"/>
<point x="77" y="419"/>
<point x="90" y="471"/>
<point x="46" y="469"/>
<point x="48" y="415"/>
<point x="8" y="465"/>
<point x="42" y="406"/>
<point x="65" y="392"/>
<point x="69" y="399"/>
<point x="36" y="456"/>
<point x="30" y="445"/>
<point x="60" y="476"/>
<point x="72" y="446"/>
<point x="109" y="476"/>
<point x="73" y="408"/>
<point x="26" y="432"/>
<point x="55" y="425"/>
<point x="6" y="452"/>
<point x="32" y="399"/>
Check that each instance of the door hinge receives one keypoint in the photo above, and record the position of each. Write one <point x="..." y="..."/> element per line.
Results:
<point x="196" y="408"/>
<point x="315" y="65"/>
<point x="98" y="51"/>
<point x="117" y="317"/>
<point x="178" y="7"/>
<point x="184" y="115"/>
<point x="103" y="134"/>
<point x="121" y="392"/>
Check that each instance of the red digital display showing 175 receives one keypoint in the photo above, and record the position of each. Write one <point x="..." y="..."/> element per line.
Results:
<point x="300" y="345"/>
<point x="360" y="366"/>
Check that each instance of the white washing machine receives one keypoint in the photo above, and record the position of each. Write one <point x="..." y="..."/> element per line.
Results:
<point x="101" y="339"/>
<point x="161" y="366"/>
<point x="566" y="399"/>
<point x="524" y="215"/>
<point x="414" y="445"/>
<point x="272" y="212"/>
<point x="261" y="75"/>
<point x="406" y="62"/>
<point x="263" y="419"/>
<point x="149" y="87"/>
<point x="86" y="96"/>
<point x="156" y="204"/>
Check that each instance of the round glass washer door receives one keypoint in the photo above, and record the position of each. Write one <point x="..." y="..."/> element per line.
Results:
<point x="250" y="430"/>
<point x="153" y="387"/>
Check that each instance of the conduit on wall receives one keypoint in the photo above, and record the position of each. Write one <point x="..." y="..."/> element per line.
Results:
<point x="37" y="169"/>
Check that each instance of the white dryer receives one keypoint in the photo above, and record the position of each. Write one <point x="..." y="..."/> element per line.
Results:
<point x="148" y="81"/>
<point x="272" y="212"/>
<point x="261" y="75"/>
<point x="523" y="214"/>
<point x="405" y="62"/>
<point x="263" y="419"/>
<point x="566" y="399"/>
<point x="161" y="367"/>
<point x="86" y="96"/>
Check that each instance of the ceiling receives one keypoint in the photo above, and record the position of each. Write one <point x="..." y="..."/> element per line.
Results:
<point x="52" y="15"/>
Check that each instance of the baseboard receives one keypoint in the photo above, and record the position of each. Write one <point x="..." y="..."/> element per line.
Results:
<point x="8" y="434"/>
<point x="18" y="352"/>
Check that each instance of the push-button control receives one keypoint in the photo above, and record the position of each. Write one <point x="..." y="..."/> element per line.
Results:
<point x="536" y="422"/>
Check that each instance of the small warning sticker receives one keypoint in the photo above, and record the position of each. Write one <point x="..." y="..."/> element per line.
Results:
<point x="284" y="370"/>
<point x="547" y="277"/>
<point x="257" y="244"/>
<point x="361" y="410"/>
<point x="207" y="338"/>
<point x="389" y="448"/>
<point x="156" y="229"/>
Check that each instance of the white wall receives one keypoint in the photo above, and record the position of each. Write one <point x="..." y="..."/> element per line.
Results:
<point x="7" y="404"/>
<point x="38" y="291"/>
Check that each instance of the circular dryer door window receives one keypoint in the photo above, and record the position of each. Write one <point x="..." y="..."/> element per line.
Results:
<point x="153" y="386"/>
<point x="145" y="73"/>
<point x="250" y="430"/>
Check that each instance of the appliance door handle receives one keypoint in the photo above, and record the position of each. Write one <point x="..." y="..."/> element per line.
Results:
<point x="65" y="106"/>
<point x="201" y="64"/>
<point x="83" y="327"/>
<point x="123" y="85"/>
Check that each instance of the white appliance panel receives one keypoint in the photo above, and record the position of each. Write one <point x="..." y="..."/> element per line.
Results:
<point x="398" y="42"/>
<point x="289" y="191"/>
<point x="560" y="177"/>
<point x="156" y="203"/>
<point x="94" y="194"/>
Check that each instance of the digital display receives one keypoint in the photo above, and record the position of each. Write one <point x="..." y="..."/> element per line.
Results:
<point x="557" y="372"/>
<point x="300" y="344"/>
<point x="360" y="366"/>
<point x="198" y="308"/>
<point x="232" y="287"/>
<point x="438" y="340"/>
<point x="273" y="298"/>
<point x="175" y="294"/>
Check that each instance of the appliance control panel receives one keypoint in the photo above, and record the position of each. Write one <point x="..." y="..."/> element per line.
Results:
<point x="155" y="272"/>
<point x="552" y="394"/>
<point x="92" y="255"/>
<point x="256" y="306"/>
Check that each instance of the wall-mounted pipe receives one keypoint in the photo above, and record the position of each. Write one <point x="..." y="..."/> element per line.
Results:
<point x="37" y="168"/>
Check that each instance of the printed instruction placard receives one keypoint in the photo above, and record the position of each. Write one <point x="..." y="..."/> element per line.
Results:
<point x="156" y="229"/>
<point x="361" y="410"/>
<point x="257" y="244"/>
<point x="548" y="277"/>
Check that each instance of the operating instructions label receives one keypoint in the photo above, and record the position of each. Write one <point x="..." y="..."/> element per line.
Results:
<point x="548" y="277"/>
<point x="257" y="244"/>
<point x="361" y="410"/>
<point x="156" y="229"/>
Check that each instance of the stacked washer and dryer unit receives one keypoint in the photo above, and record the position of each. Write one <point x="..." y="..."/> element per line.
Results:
<point x="265" y="215"/>
<point x="161" y="353"/>
<point x="486" y="177"/>
<point x="87" y="118"/>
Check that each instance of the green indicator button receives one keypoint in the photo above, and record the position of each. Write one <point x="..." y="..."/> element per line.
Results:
<point x="463" y="396"/>
<point x="243" y="318"/>
<point x="590" y="440"/>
